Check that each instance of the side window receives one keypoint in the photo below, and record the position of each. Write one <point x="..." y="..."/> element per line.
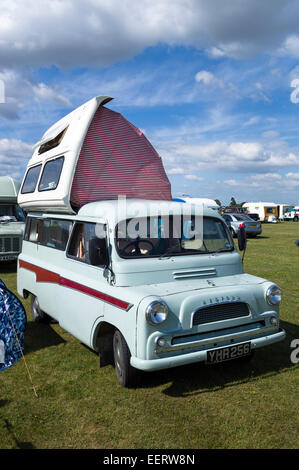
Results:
<point x="31" y="179"/>
<point x="53" y="233"/>
<point x="32" y="229"/>
<point x="86" y="246"/>
<point x="51" y="174"/>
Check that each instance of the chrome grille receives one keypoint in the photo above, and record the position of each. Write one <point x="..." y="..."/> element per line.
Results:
<point x="10" y="244"/>
<point x="218" y="312"/>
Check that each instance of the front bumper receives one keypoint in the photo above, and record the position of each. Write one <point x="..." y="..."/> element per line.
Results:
<point x="198" y="356"/>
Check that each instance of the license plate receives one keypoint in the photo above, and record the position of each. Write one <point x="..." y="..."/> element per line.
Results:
<point x="252" y="225"/>
<point x="228" y="353"/>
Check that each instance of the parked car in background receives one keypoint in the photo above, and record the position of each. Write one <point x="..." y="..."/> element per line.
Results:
<point x="235" y="221"/>
<point x="12" y="220"/>
<point x="253" y="216"/>
<point x="232" y="210"/>
<point x="210" y="203"/>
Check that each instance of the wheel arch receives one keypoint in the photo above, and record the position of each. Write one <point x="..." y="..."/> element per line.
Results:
<point x="102" y="342"/>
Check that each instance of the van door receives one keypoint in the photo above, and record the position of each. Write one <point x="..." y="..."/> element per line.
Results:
<point x="82" y="281"/>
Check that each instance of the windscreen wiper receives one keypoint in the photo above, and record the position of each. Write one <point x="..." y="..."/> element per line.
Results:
<point x="170" y="251"/>
<point x="222" y="250"/>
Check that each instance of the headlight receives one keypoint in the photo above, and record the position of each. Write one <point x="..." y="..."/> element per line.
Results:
<point x="273" y="295"/>
<point x="156" y="312"/>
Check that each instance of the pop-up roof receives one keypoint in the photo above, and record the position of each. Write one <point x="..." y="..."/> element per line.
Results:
<point x="92" y="154"/>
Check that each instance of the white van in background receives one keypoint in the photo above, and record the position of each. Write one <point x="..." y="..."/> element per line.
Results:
<point x="267" y="211"/>
<point x="208" y="203"/>
<point x="11" y="220"/>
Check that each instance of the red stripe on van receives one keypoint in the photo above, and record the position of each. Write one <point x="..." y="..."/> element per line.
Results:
<point x="94" y="293"/>
<point x="44" y="275"/>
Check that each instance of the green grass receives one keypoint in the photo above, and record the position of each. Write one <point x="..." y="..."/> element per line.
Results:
<point x="250" y="405"/>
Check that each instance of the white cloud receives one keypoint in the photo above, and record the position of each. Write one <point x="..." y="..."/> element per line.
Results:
<point x="290" y="46"/>
<point x="14" y="155"/>
<point x="206" y="77"/>
<point x="293" y="175"/>
<point x="232" y="157"/>
<point x="270" y="134"/>
<point x="93" y="32"/>
<point x="266" y="176"/>
<point x="193" y="178"/>
<point x="252" y="121"/>
<point x="232" y="182"/>
<point x="43" y="92"/>
<point x="21" y="90"/>
<point x="176" y="171"/>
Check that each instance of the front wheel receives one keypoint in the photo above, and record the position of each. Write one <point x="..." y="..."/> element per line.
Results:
<point x="37" y="314"/>
<point x="296" y="218"/>
<point x="125" y="373"/>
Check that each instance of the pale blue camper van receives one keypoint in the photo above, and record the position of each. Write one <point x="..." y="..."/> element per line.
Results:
<point x="134" y="282"/>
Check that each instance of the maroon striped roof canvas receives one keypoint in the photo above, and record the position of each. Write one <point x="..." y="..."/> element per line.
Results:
<point x="116" y="159"/>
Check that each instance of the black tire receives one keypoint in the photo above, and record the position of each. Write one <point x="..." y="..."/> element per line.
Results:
<point x="37" y="314"/>
<point x="296" y="218"/>
<point x="125" y="373"/>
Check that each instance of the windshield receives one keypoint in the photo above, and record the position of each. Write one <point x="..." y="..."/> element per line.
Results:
<point x="157" y="237"/>
<point x="242" y="217"/>
<point x="11" y="213"/>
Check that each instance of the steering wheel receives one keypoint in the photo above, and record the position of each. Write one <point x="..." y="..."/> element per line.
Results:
<point x="135" y="247"/>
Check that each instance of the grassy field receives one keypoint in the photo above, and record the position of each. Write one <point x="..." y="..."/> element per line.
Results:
<point x="235" y="405"/>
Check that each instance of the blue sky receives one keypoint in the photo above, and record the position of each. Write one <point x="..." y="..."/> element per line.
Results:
<point x="213" y="88"/>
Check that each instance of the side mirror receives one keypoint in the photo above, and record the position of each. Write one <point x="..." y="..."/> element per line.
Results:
<point x="97" y="252"/>
<point x="242" y="240"/>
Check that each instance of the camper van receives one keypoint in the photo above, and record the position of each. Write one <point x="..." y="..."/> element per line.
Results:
<point x="147" y="282"/>
<point x="283" y="210"/>
<point x="267" y="211"/>
<point x="292" y="214"/>
<point x="12" y="220"/>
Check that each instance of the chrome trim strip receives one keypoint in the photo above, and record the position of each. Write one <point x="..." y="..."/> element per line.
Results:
<point x="221" y="339"/>
<point x="194" y="273"/>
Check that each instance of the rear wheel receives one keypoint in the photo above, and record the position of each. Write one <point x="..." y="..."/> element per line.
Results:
<point x="296" y="218"/>
<point x="37" y="314"/>
<point x="125" y="373"/>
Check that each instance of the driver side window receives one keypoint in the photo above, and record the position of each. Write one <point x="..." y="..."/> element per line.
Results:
<point x="86" y="246"/>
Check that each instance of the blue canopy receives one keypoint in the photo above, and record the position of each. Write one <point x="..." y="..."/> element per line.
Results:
<point x="12" y="326"/>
